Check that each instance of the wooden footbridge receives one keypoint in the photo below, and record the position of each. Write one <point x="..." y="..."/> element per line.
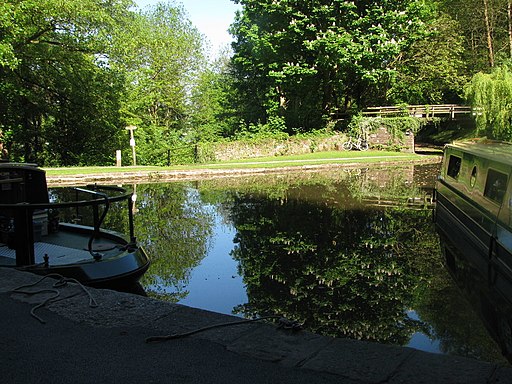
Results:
<point x="452" y="111"/>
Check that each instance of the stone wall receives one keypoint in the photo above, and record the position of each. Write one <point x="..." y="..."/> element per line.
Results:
<point x="292" y="146"/>
<point x="380" y="139"/>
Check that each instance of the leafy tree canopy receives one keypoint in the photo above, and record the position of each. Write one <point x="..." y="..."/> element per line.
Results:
<point x="304" y="59"/>
<point x="61" y="99"/>
<point x="431" y="70"/>
<point x="75" y="72"/>
<point x="160" y="52"/>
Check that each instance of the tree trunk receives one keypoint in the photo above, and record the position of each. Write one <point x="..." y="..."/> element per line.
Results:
<point x="489" y="33"/>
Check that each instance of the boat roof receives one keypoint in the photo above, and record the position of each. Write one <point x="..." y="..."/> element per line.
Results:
<point x="9" y="165"/>
<point x="499" y="151"/>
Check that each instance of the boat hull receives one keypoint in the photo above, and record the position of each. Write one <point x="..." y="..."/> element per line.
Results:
<point x="126" y="269"/>
<point x="473" y="218"/>
<point x="484" y="242"/>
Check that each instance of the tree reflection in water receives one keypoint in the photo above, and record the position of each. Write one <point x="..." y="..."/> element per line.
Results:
<point x="341" y="272"/>
<point x="310" y="248"/>
<point x="174" y="228"/>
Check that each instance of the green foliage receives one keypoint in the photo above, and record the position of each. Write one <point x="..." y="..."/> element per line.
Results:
<point x="491" y="96"/>
<point x="275" y="128"/>
<point x="471" y="26"/>
<point x="160" y="53"/>
<point x="302" y="60"/>
<point x="204" y="153"/>
<point x="60" y="99"/>
<point x="431" y="69"/>
<point x="74" y="73"/>
<point x="211" y="104"/>
<point x="395" y="126"/>
<point x="9" y="31"/>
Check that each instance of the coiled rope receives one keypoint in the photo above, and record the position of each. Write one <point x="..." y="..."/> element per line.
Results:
<point x="61" y="282"/>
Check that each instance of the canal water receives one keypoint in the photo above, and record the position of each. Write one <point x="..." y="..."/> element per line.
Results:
<point x="347" y="253"/>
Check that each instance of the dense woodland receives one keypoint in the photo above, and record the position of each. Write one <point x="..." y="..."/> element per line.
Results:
<point x="75" y="73"/>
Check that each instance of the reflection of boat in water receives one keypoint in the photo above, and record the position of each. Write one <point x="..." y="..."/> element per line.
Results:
<point x="474" y="221"/>
<point x="36" y="237"/>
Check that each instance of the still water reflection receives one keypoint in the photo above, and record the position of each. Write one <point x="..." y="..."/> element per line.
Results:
<point x="342" y="252"/>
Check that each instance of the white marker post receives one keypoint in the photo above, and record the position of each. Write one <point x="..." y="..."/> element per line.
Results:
<point x="132" y="128"/>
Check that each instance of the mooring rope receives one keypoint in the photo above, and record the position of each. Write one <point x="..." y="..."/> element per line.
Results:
<point x="283" y="323"/>
<point x="61" y="282"/>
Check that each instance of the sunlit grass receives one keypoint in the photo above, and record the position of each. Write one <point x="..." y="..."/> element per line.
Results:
<point x="334" y="157"/>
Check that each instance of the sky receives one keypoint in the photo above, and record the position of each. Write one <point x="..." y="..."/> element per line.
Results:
<point x="211" y="17"/>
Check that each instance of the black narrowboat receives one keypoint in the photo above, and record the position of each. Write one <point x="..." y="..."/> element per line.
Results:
<point x="36" y="235"/>
<point x="473" y="217"/>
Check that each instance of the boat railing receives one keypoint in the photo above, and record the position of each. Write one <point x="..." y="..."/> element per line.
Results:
<point x="23" y="213"/>
<point x="98" y="220"/>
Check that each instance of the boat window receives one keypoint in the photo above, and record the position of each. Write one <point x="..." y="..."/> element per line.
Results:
<point x="495" y="185"/>
<point x="454" y="166"/>
<point x="472" y="179"/>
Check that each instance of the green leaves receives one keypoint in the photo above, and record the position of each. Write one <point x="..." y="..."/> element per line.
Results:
<point x="73" y="73"/>
<point x="160" y="52"/>
<point x="61" y="97"/>
<point x="491" y="96"/>
<point x="431" y="70"/>
<point x="303" y="60"/>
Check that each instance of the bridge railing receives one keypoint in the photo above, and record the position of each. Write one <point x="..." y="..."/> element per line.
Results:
<point x="425" y="111"/>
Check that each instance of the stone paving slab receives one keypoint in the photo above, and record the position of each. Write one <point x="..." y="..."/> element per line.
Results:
<point x="11" y="278"/>
<point x="109" y="308"/>
<point x="114" y="309"/>
<point x="359" y="360"/>
<point x="427" y="368"/>
<point x="279" y="345"/>
<point x="348" y="360"/>
<point x="502" y="376"/>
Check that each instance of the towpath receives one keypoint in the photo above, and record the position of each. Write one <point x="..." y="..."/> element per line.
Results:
<point x="107" y="343"/>
<point x="138" y="175"/>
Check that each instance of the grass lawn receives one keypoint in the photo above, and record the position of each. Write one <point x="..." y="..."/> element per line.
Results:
<point x="334" y="157"/>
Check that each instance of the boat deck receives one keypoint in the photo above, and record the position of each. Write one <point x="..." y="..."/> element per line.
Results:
<point x="63" y="248"/>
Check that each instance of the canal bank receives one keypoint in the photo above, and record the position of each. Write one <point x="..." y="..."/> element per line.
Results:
<point x="137" y="175"/>
<point x="101" y="336"/>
